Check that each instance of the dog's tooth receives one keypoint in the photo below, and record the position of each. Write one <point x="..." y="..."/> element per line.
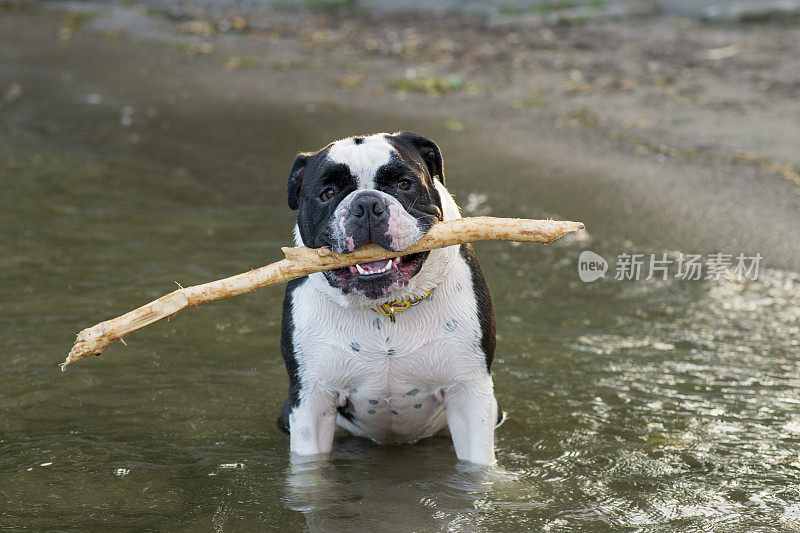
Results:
<point x="368" y="271"/>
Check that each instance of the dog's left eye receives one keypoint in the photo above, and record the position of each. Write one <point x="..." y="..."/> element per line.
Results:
<point x="404" y="185"/>
<point x="327" y="194"/>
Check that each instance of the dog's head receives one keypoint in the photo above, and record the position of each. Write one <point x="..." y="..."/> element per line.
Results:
<point x="380" y="189"/>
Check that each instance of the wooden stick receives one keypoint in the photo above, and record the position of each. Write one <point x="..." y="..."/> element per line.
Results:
<point x="303" y="261"/>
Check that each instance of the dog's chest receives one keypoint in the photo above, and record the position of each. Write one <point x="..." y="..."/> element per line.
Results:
<point x="390" y="377"/>
<point x="394" y="363"/>
<point x="428" y="346"/>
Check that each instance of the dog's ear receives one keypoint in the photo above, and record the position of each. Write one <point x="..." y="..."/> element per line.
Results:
<point x="296" y="180"/>
<point x="428" y="151"/>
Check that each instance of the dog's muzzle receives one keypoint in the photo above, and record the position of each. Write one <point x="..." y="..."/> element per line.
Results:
<point x="372" y="216"/>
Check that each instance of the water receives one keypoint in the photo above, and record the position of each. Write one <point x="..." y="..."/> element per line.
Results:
<point x="632" y="405"/>
<point x="694" y="8"/>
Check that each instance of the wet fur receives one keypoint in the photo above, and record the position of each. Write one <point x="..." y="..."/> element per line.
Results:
<point x="353" y="371"/>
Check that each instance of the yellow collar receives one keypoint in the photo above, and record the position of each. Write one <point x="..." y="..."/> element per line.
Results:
<point x="390" y="308"/>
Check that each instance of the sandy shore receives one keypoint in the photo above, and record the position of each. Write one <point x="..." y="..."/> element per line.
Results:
<point x="667" y="132"/>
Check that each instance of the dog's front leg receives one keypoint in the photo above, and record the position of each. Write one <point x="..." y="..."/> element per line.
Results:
<point x="312" y="423"/>
<point x="471" y="411"/>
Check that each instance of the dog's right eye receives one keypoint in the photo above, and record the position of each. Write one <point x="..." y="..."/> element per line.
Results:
<point x="327" y="194"/>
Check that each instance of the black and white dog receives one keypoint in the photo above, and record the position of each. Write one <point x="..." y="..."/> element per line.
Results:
<point x="393" y="350"/>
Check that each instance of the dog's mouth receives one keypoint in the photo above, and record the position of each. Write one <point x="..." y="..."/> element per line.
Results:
<point x="377" y="279"/>
<point x="404" y="265"/>
<point x="375" y="267"/>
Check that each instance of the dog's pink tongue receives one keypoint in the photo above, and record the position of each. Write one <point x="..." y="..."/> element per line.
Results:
<point x="372" y="266"/>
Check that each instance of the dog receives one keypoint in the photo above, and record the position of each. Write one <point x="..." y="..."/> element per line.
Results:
<point x="394" y="350"/>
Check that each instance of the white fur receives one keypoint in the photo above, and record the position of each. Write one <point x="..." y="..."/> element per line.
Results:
<point x="402" y="226"/>
<point x="363" y="159"/>
<point x="355" y="353"/>
<point x="422" y="374"/>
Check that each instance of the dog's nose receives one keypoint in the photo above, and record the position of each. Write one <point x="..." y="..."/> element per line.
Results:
<point x="367" y="206"/>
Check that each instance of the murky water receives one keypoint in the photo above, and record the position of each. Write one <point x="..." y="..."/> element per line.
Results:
<point x="632" y="405"/>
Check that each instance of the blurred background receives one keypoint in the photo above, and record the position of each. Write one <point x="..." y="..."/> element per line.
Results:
<point x="148" y="143"/>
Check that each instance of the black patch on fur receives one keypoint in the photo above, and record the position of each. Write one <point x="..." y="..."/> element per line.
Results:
<point x="358" y="140"/>
<point x="296" y="180"/>
<point x="415" y="198"/>
<point x="348" y="411"/>
<point x="317" y="174"/>
<point x="425" y="149"/>
<point x="415" y="152"/>
<point x="289" y="354"/>
<point x="483" y="300"/>
<point x="355" y="346"/>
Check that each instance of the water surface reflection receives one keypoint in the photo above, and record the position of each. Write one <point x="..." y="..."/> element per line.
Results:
<point x="640" y="405"/>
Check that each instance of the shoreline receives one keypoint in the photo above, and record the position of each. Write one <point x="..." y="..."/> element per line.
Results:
<point x="631" y="141"/>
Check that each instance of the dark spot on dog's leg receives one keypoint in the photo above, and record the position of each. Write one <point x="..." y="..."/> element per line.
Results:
<point x="451" y="326"/>
<point x="390" y="353"/>
<point x="373" y="402"/>
<point x="371" y="411"/>
<point x="395" y="412"/>
<point x="412" y="392"/>
<point x="348" y="411"/>
<point x="377" y="323"/>
<point x="417" y="405"/>
<point x="355" y="346"/>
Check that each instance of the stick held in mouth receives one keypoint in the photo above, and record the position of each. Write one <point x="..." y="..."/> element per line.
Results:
<point x="302" y="261"/>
